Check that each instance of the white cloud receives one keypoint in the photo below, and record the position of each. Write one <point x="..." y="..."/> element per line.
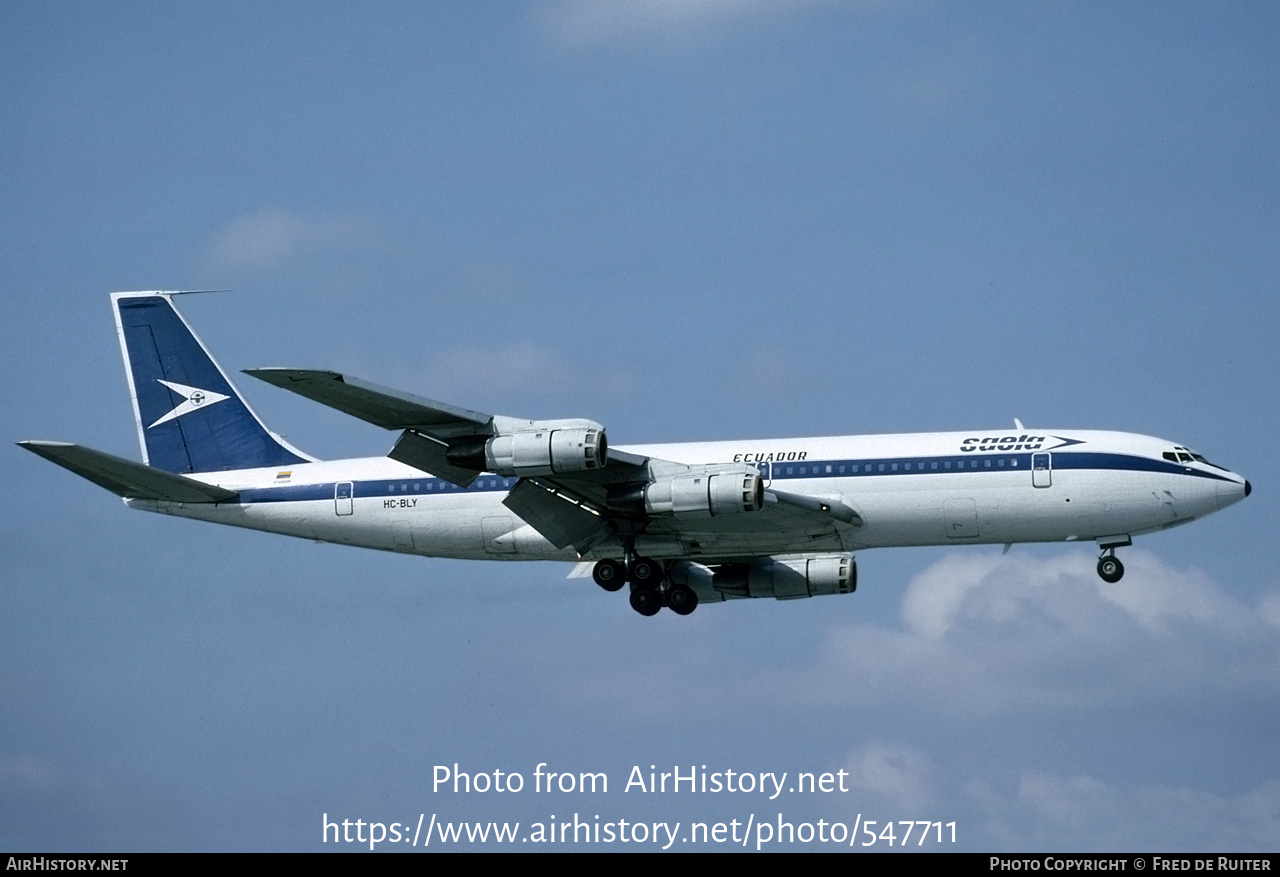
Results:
<point x="24" y="773"/>
<point x="505" y="377"/>
<point x="1270" y="609"/>
<point x="985" y="637"/>
<point x="1086" y="813"/>
<point x="1047" y="811"/>
<point x="899" y="776"/>
<point x="1160" y="599"/>
<point x="997" y="672"/>
<point x="271" y="236"/>
<point x="519" y="368"/>
<point x="931" y="603"/>
<point x="991" y="636"/>
<point x="976" y="589"/>
<point x="579" y="24"/>
<point x="1068" y="804"/>
<point x="938" y="82"/>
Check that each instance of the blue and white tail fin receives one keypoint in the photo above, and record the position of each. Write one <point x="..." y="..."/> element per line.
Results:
<point x="190" y="418"/>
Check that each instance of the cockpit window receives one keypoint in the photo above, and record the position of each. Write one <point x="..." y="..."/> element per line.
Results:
<point x="1186" y="455"/>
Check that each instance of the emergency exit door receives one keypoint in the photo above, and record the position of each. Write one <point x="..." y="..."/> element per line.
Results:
<point x="1041" y="470"/>
<point x="342" y="493"/>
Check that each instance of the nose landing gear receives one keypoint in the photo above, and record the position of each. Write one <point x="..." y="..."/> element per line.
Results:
<point x="1110" y="569"/>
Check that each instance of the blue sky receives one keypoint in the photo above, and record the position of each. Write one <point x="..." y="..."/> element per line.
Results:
<point x="734" y="219"/>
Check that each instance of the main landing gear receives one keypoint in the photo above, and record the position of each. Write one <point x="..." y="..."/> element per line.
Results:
<point x="609" y="574"/>
<point x="1110" y="569"/>
<point x="650" y="587"/>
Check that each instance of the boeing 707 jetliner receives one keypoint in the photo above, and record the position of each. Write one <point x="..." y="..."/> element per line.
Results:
<point x="682" y="524"/>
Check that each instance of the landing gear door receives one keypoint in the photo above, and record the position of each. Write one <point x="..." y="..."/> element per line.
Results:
<point x="766" y="472"/>
<point x="1041" y="470"/>
<point x="960" y="516"/>
<point x="342" y="498"/>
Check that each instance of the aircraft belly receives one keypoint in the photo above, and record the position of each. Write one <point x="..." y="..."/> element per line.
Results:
<point x="928" y="514"/>
<point x="291" y="519"/>
<point x="453" y="533"/>
<point x="964" y="511"/>
<point x="1143" y="502"/>
<point x="714" y="545"/>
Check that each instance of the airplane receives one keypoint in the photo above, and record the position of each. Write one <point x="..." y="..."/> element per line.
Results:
<point x="682" y="524"/>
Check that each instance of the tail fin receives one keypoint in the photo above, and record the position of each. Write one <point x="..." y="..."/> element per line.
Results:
<point x="189" y="416"/>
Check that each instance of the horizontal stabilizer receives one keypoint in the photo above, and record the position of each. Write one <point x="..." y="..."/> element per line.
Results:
<point x="126" y="478"/>
<point x="381" y="406"/>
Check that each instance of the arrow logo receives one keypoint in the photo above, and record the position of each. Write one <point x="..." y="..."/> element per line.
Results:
<point x="193" y="398"/>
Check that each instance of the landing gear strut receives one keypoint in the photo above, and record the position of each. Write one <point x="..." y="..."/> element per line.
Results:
<point x="1110" y="569"/>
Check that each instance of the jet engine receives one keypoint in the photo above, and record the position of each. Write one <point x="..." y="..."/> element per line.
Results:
<point x="710" y="492"/>
<point x="788" y="578"/>
<point x="537" y="449"/>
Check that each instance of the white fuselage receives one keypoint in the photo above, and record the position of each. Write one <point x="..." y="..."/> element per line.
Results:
<point x="917" y="489"/>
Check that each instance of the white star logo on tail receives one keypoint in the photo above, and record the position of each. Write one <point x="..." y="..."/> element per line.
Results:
<point x="193" y="398"/>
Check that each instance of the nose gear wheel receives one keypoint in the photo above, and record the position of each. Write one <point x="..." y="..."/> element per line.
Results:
<point x="1110" y="569"/>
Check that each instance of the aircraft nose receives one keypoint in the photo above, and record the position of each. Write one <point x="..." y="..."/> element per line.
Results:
<point x="1230" y="492"/>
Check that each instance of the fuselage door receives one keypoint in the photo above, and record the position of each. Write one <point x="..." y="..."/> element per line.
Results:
<point x="1041" y="470"/>
<point x="960" y="517"/>
<point x="494" y="531"/>
<point x="342" y="494"/>
<point x="766" y="472"/>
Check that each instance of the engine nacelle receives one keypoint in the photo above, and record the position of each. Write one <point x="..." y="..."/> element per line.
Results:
<point x="537" y="449"/>
<point x="710" y="493"/>
<point x="789" y="578"/>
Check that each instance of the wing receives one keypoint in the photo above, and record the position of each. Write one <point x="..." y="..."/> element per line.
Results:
<point x="390" y="409"/>
<point x="439" y="438"/>
<point x="569" y="509"/>
<point x="576" y="490"/>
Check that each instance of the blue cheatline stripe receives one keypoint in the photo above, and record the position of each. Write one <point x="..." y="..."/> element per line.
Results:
<point x="975" y="463"/>
<point x="1135" y="464"/>
<point x="968" y="464"/>
<point x="394" y="487"/>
